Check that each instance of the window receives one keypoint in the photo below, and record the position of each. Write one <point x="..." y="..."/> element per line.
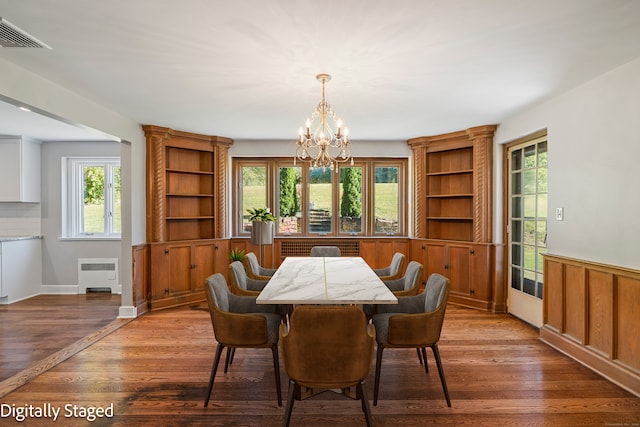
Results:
<point x="253" y="187"/>
<point x="386" y="200"/>
<point x="322" y="202"/>
<point x="93" y="198"/>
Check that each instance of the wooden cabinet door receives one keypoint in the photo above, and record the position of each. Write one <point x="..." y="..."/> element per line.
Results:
<point x="437" y="261"/>
<point x="179" y="259"/>
<point x="160" y="272"/>
<point x="203" y="264"/>
<point x="479" y="279"/>
<point x="171" y="270"/>
<point x="419" y="254"/>
<point x="221" y="257"/>
<point x="458" y="266"/>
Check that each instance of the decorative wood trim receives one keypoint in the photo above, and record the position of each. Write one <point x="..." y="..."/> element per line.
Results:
<point x="420" y="191"/>
<point x="140" y="279"/>
<point x="23" y="377"/>
<point x="590" y="313"/>
<point x="482" y="158"/>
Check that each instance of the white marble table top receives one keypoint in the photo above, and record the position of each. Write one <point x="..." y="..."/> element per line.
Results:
<point x="330" y="280"/>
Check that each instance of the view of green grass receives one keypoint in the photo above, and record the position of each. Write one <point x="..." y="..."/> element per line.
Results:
<point x="94" y="218"/>
<point x="386" y="196"/>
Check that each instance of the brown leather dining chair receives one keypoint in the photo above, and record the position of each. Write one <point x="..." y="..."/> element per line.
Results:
<point x="409" y="284"/>
<point x="254" y="269"/>
<point x="325" y="251"/>
<point x="241" y="283"/>
<point x="327" y="347"/>
<point x="238" y="322"/>
<point x="415" y="322"/>
<point x="394" y="269"/>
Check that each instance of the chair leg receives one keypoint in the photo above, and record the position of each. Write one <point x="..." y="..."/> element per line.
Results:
<point x="214" y="369"/>
<point x="424" y="358"/>
<point x="227" y="360"/>
<point x="419" y="355"/>
<point x="365" y="403"/>
<point x="378" y="368"/>
<point x="276" y="368"/>
<point x="436" y="355"/>
<point x="293" y="388"/>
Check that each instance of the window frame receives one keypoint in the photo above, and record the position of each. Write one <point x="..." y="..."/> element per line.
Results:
<point x="73" y="197"/>
<point x="368" y="180"/>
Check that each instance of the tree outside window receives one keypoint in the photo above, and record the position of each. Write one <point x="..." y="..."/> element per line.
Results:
<point x="351" y="200"/>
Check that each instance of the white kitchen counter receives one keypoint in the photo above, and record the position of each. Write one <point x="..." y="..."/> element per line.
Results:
<point x="20" y="267"/>
<point x="12" y="238"/>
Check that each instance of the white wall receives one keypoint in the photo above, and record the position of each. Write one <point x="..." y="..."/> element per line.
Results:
<point x="59" y="257"/>
<point x="594" y="173"/>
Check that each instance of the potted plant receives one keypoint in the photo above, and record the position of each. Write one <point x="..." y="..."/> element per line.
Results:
<point x="236" y="255"/>
<point x="261" y="226"/>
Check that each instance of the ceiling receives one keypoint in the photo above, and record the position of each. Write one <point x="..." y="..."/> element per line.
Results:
<point x="246" y="69"/>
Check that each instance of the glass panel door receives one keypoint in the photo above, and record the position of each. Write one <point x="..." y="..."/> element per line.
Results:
<point x="527" y="228"/>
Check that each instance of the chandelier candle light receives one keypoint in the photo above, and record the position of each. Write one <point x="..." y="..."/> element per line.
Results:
<point x="325" y="142"/>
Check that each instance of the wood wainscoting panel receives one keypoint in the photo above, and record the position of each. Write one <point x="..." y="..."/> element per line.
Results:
<point x="553" y="295"/>
<point x="600" y="304"/>
<point x="600" y="312"/>
<point x="627" y="339"/>
<point x="575" y="303"/>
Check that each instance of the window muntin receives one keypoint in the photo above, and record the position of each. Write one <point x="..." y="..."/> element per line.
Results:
<point x="93" y="198"/>
<point x="319" y="194"/>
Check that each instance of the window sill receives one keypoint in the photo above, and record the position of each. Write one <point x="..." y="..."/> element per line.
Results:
<point x="79" y="238"/>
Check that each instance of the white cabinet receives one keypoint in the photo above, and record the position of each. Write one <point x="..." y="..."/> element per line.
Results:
<point x="20" y="269"/>
<point x="19" y="170"/>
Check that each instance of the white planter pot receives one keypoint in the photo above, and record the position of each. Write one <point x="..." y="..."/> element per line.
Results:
<point x="262" y="233"/>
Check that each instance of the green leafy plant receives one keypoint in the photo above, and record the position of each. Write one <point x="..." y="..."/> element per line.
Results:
<point x="260" y="214"/>
<point x="236" y="254"/>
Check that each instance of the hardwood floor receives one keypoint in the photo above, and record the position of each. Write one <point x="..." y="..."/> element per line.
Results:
<point x="154" y="371"/>
<point x="36" y="328"/>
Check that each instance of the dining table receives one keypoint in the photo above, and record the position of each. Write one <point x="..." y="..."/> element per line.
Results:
<point x="325" y="280"/>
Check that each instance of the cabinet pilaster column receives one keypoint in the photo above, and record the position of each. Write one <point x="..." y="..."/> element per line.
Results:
<point x="156" y="208"/>
<point x="221" y="151"/>
<point x="482" y="137"/>
<point x="420" y="191"/>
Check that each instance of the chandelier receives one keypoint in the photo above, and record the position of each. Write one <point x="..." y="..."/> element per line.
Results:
<point x="323" y="142"/>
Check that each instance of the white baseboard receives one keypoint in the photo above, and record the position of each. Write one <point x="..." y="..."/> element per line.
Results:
<point x="127" y="312"/>
<point x="59" y="289"/>
<point x="69" y="289"/>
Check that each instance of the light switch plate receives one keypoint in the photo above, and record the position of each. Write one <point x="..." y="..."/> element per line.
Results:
<point x="559" y="214"/>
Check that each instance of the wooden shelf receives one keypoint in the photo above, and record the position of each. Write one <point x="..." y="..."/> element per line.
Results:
<point x="189" y="171"/>
<point x="189" y="195"/>
<point x="450" y="172"/>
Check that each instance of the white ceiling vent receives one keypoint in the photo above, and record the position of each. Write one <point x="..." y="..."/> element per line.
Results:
<point x="12" y="36"/>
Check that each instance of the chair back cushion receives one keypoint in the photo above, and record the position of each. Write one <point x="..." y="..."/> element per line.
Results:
<point x="412" y="275"/>
<point x="239" y="274"/>
<point x="218" y="291"/>
<point x="435" y="291"/>
<point x="396" y="263"/>
<point x="253" y="262"/>
<point x="327" y="346"/>
<point x="325" y="251"/>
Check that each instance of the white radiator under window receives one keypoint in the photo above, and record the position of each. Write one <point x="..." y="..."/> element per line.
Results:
<point x="97" y="274"/>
